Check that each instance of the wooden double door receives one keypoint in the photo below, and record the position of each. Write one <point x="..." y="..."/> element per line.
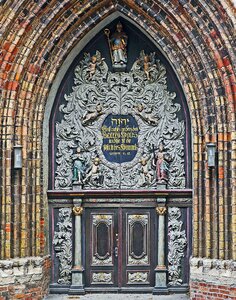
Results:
<point x="120" y="248"/>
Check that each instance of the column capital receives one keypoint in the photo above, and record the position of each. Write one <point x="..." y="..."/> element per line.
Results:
<point x="77" y="210"/>
<point x="161" y="210"/>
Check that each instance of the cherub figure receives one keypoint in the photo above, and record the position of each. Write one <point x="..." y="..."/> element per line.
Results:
<point x="146" y="66"/>
<point x="94" y="170"/>
<point x="93" y="115"/>
<point x="147" y="63"/>
<point x="145" y="172"/>
<point x="146" y="117"/>
<point x="92" y="66"/>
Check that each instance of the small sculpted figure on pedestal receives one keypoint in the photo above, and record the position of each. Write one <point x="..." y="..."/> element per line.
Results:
<point x="162" y="166"/>
<point x="145" y="171"/>
<point x="79" y="167"/>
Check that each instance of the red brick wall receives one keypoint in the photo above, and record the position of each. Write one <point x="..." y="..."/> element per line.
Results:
<point x="204" y="291"/>
<point x="24" y="278"/>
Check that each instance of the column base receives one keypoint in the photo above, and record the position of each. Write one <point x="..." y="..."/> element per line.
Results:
<point x="160" y="287"/>
<point x="77" y="287"/>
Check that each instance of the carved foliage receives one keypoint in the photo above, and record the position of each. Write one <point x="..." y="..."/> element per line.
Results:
<point x="176" y="245"/>
<point x="141" y="93"/>
<point x="101" y="277"/>
<point x="138" y="277"/>
<point x="62" y="242"/>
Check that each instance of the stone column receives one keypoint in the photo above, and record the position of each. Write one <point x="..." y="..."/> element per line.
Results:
<point x="77" y="287"/>
<point x="161" y="270"/>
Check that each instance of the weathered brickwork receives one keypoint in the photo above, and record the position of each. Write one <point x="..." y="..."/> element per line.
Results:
<point x="213" y="279"/>
<point x="197" y="36"/>
<point x="24" y="278"/>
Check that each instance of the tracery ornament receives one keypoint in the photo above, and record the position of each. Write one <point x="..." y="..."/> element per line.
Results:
<point x="140" y="95"/>
<point x="176" y="245"/>
<point x="62" y="242"/>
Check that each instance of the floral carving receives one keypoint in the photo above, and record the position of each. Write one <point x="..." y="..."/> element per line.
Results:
<point x="62" y="242"/>
<point x="176" y="245"/>
<point x="141" y="93"/>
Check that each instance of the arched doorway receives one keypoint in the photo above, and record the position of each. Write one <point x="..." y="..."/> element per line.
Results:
<point x="120" y="169"/>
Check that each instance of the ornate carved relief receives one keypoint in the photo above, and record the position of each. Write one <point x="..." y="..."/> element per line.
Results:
<point x="62" y="242"/>
<point x="140" y="96"/>
<point x="138" y="277"/>
<point x="142" y="258"/>
<point x="176" y="245"/>
<point x="101" y="278"/>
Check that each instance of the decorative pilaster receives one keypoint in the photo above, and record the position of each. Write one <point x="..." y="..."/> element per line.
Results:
<point x="77" y="286"/>
<point x="161" y="270"/>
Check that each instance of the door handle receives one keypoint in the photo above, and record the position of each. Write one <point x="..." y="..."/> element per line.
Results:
<point x="116" y="251"/>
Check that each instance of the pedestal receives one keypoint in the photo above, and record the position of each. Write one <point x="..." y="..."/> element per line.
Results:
<point x="77" y="287"/>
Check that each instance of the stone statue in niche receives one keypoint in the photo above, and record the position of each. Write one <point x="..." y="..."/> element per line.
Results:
<point x="91" y="116"/>
<point x="161" y="164"/>
<point x="79" y="169"/>
<point x="146" y="173"/>
<point x="118" y="44"/>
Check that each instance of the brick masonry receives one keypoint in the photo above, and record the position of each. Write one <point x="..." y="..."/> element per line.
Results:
<point x="24" y="278"/>
<point x="213" y="279"/>
<point x="197" y="36"/>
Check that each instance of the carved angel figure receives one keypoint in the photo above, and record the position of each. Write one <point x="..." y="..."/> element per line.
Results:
<point x="92" y="66"/>
<point x="93" y="174"/>
<point x="145" y="116"/>
<point x="93" y="115"/>
<point x="147" y="63"/>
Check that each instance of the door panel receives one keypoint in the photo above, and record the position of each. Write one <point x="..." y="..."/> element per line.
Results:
<point x="120" y="247"/>
<point x="101" y="265"/>
<point x="139" y="249"/>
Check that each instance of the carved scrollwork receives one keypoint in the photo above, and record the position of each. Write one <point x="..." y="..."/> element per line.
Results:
<point x="138" y="277"/>
<point x="107" y="219"/>
<point x="62" y="242"/>
<point x="100" y="277"/>
<point x="97" y="93"/>
<point x="176" y="245"/>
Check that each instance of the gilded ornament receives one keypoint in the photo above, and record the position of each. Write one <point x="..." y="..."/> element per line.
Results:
<point x="77" y="210"/>
<point x="161" y="210"/>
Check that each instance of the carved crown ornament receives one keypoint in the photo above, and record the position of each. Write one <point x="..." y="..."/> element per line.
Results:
<point x="120" y="130"/>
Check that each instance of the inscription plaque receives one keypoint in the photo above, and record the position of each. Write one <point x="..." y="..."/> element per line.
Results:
<point x="120" y="138"/>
